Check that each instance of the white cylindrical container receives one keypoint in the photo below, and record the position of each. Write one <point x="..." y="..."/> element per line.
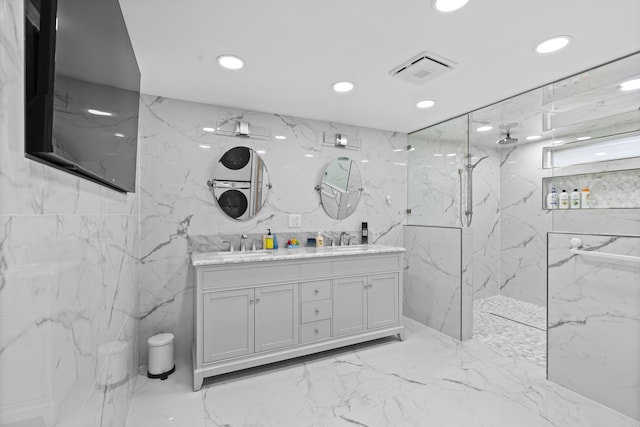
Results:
<point x="564" y="199"/>
<point x="575" y="199"/>
<point x="161" y="363"/>
<point x="585" y="199"/>
<point x="112" y="368"/>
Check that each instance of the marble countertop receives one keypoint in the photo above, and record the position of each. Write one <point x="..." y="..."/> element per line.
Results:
<point x="216" y="258"/>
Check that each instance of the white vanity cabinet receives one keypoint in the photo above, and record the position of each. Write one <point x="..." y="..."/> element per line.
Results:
<point x="244" y="321"/>
<point x="256" y="312"/>
<point x="365" y="302"/>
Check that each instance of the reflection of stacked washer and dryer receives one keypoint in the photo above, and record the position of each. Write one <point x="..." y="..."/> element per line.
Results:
<point x="239" y="183"/>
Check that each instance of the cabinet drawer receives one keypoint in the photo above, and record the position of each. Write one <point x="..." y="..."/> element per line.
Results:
<point x="314" y="331"/>
<point x="315" y="291"/>
<point x="248" y="275"/>
<point x="366" y="265"/>
<point x="315" y="269"/>
<point x="316" y="310"/>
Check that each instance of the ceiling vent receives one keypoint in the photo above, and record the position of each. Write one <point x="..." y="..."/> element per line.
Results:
<point x="422" y="68"/>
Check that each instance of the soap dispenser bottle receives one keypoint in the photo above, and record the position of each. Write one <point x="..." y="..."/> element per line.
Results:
<point x="319" y="240"/>
<point x="364" y="237"/>
<point x="269" y="240"/>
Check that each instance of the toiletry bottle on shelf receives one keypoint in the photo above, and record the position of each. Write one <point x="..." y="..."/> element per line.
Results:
<point x="275" y="241"/>
<point x="564" y="200"/>
<point x="552" y="199"/>
<point x="319" y="240"/>
<point x="269" y="240"/>
<point x="585" y="198"/>
<point x="364" y="238"/>
<point x="575" y="199"/>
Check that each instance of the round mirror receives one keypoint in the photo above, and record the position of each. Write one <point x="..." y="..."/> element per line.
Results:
<point x="241" y="183"/>
<point x="340" y="188"/>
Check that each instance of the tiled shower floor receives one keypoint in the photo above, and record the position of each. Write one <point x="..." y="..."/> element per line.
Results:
<point x="516" y="328"/>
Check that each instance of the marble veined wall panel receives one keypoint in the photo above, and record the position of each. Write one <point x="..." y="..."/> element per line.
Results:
<point x="485" y="225"/>
<point x="594" y="320"/>
<point x="433" y="284"/>
<point x="523" y="224"/>
<point x="178" y="158"/>
<point x="68" y="276"/>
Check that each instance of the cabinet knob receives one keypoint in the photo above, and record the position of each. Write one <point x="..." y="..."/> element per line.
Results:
<point x="317" y="310"/>
<point x="250" y="300"/>
<point x="316" y="331"/>
<point x="316" y="291"/>
<point x="257" y="300"/>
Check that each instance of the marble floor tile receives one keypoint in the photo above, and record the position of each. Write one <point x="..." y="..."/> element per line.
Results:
<point x="429" y="379"/>
<point x="516" y="328"/>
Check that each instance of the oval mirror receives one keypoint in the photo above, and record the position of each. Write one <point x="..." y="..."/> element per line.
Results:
<point x="340" y="188"/>
<point x="241" y="183"/>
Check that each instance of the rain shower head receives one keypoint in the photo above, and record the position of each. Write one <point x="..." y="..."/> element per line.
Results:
<point x="507" y="140"/>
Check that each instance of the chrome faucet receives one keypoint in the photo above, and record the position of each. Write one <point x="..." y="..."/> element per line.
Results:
<point x="344" y="233"/>
<point x="349" y="240"/>
<point x="243" y="245"/>
<point x="230" y="245"/>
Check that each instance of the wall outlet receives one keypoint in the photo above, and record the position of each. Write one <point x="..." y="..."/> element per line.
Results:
<point x="295" y="221"/>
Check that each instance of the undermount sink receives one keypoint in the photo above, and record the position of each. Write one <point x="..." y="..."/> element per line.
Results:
<point x="247" y="254"/>
<point x="349" y="248"/>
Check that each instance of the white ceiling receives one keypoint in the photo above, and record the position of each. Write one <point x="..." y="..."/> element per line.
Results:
<point x="294" y="50"/>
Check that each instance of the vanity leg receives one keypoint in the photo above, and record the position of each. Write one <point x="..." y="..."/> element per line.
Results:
<point x="401" y="335"/>
<point x="198" y="377"/>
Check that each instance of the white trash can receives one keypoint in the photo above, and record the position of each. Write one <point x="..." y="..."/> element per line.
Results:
<point x="161" y="363"/>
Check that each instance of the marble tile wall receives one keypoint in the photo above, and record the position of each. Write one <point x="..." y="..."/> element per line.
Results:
<point x="594" y="320"/>
<point x="434" y="290"/>
<point x="523" y="224"/>
<point x="68" y="277"/>
<point x="485" y="224"/>
<point x="176" y="202"/>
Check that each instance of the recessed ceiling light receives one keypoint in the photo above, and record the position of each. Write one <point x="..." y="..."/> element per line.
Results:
<point x="583" y="138"/>
<point x="308" y="155"/>
<point x="633" y="84"/>
<point x="230" y="62"/>
<point x="449" y="5"/>
<point x="364" y="161"/>
<point x="485" y="128"/>
<point x="397" y="150"/>
<point x="451" y="155"/>
<point x="437" y="155"/>
<point x="533" y="137"/>
<point x="119" y="135"/>
<point x="343" y="87"/>
<point x="427" y="103"/>
<point x="99" y="113"/>
<point x="280" y="137"/>
<point x="553" y="44"/>
<point x="208" y="129"/>
<point x="204" y="146"/>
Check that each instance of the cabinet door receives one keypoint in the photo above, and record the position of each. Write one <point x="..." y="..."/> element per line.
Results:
<point x="349" y="306"/>
<point x="276" y="317"/>
<point x="227" y="318"/>
<point x="382" y="300"/>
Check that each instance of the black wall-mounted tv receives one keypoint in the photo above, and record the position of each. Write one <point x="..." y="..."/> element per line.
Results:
<point x="82" y="90"/>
